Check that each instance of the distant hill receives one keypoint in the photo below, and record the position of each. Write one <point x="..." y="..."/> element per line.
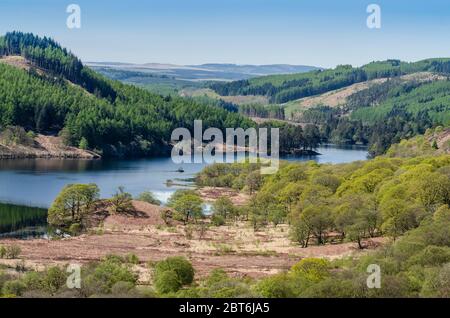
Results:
<point x="204" y="72"/>
<point x="46" y="89"/>
<point x="285" y="88"/>
<point x="377" y="104"/>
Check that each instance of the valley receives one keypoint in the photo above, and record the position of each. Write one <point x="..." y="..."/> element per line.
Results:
<point x="142" y="226"/>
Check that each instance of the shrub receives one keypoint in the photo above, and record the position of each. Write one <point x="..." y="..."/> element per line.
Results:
<point x="114" y="259"/>
<point x="55" y="278"/>
<point x="83" y="144"/>
<point x="432" y="255"/>
<point x="13" y="251"/>
<point x="132" y="259"/>
<point x="230" y="288"/>
<point x="13" y="288"/>
<point x="276" y="286"/>
<point x="167" y="216"/>
<point x="331" y="287"/>
<point x="34" y="281"/>
<point x="437" y="282"/>
<point x="148" y="197"/>
<point x="217" y="220"/>
<point x="121" y="201"/>
<point x="180" y="265"/>
<point x="122" y="288"/>
<point x="31" y="134"/>
<point x="110" y="272"/>
<point x="2" y="252"/>
<point x="216" y="276"/>
<point x="167" y="282"/>
<point x="75" y="228"/>
<point x="313" y="269"/>
<point x="15" y="135"/>
<point x="3" y="279"/>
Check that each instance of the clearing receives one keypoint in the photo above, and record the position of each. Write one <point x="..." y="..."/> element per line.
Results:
<point x="45" y="147"/>
<point x="235" y="248"/>
<point x="339" y="97"/>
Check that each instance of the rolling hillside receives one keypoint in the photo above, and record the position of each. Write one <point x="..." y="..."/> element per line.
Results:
<point x="171" y="79"/>
<point x="285" y="88"/>
<point x="377" y="104"/>
<point x="46" y="89"/>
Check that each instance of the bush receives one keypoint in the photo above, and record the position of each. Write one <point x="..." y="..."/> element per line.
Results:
<point x="432" y="255"/>
<point x="122" y="288"/>
<point x="34" y="281"/>
<point x="167" y="282"/>
<point x="13" y="288"/>
<point x="31" y="134"/>
<point x="2" y="252"/>
<point x="167" y="216"/>
<point x="75" y="229"/>
<point x="15" y="135"/>
<point x="437" y="282"/>
<point x="148" y="197"/>
<point x="122" y="201"/>
<point x="230" y="288"/>
<point x="114" y="259"/>
<point x="216" y="276"/>
<point x="13" y="251"/>
<point x="55" y="278"/>
<point x="107" y="274"/>
<point x="217" y="220"/>
<point x="313" y="269"/>
<point x="276" y="286"/>
<point x="180" y="265"/>
<point x="3" y="279"/>
<point x="331" y="288"/>
<point x="132" y="259"/>
<point x="83" y="144"/>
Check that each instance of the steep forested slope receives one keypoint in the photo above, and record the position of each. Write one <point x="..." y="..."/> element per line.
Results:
<point x="284" y="88"/>
<point x="74" y="101"/>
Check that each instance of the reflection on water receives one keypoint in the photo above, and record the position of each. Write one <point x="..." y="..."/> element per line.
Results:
<point x="45" y="165"/>
<point x="22" y="222"/>
<point x="36" y="182"/>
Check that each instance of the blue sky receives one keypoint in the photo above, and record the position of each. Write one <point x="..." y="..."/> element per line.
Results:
<point x="316" y="32"/>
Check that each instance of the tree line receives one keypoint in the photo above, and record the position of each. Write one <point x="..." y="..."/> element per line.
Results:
<point x="337" y="203"/>
<point x="285" y="88"/>
<point x="114" y="119"/>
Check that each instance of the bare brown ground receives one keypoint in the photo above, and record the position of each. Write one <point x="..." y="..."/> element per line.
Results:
<point x="45" y="147"/>
<point x="339" y="97"/>
<point x="211" y="194"/>
<point x="16" y="61"/>
<point x="443" y="140"/>
<point x="235" y="248"/>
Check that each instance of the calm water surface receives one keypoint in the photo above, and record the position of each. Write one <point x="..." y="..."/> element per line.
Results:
<point x="36" y="182"/>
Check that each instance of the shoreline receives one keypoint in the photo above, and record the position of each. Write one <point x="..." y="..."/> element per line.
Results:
<point x="45" y="147"/>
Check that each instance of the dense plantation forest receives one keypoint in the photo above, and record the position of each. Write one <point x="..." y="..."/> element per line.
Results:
<point x="257" y="110"/>
<point x="49" y="55"/>
<point x="115" y="119"/>
<point x="384" y="114"/>
<point x="284" y="88"/>
<point x="378" y="116"/>
<point x="103" y="115"/>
